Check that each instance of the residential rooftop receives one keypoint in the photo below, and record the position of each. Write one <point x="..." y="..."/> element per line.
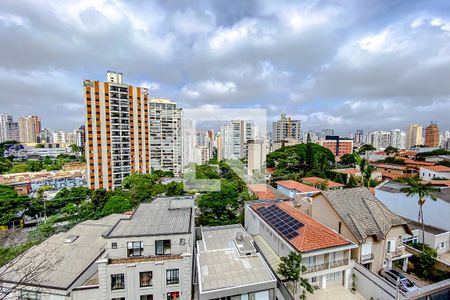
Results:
<point x="438" y="168"/>
<point x="295" y="185"/>
<point x="266" y="192"/>
<point x="317" y="180"/>
<point x="362" y="212"/>
<point x="227" y="259"/>
<point x="428" y="228"/>
<point x="170" y="215"/>
<point x="300" y="230"/>
<point x="68" y="254"/>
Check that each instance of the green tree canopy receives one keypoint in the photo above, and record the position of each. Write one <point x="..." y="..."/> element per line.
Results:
<point x="117" y="204"/>
<point x="366" y="147"/>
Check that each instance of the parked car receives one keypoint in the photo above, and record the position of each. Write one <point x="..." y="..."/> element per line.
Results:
<point x="405" y="284"/>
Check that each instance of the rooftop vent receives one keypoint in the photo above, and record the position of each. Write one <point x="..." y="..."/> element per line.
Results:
<point x="70" y="239"/>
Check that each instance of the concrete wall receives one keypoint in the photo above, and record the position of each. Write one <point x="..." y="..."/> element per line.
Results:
<point x="427" y="174"/>
<point x="91" y="293"/>
<point x="435" y="240"/>
<point x="369" y="284"/>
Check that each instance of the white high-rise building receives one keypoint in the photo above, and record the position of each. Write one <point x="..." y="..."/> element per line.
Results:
<point x="235" y="136"/>
<point x="4" y="120"/>
<point x="380" y="139"/>
<point x="286" y="129"/>
<point x="166" y="145"/>
<point x="398" y="139"/>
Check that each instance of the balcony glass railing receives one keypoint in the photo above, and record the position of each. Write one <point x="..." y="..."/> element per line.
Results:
<point x="326" y="266"/>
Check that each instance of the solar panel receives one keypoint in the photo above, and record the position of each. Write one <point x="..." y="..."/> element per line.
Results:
<point x="284" y="223"/>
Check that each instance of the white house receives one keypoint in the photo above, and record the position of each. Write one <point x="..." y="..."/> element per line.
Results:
<point x="432" y="172"/>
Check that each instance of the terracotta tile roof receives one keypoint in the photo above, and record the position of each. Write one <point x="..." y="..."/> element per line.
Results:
<point x="313" y="235"/>
<point x="416" y="162"/>
<point x="316" y="180"/>
<point x="389" y="166"/>
<point x="436" y="182"/>
<point x="295" y="185"/>
<point x="270" y="170"/>
<point x="352" y="171"/>
<point x="266" y="192"/>
<point x="437" y="168"/>
<point x="391" y="175"/>
<point x="408" y="153"/>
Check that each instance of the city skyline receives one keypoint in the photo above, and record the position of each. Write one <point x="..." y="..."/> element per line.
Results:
<point x="344" y="67"/>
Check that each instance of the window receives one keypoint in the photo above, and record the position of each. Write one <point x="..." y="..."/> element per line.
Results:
<point x="120" y="298"/>
<point x="146" y="297"/>
<point x="28" y="295"/>
<point x="182" y="241"/>
<point x="173" y="296"/>
<point x="135" y="248"/>
<point x="173" y="276"/>
<point x="117" y="281"/>
<point x="339" y="227"/>
<point x="162" y="247"/>
<point x="442" y="245"/>
<point x="114" y="245"/>
<point x="145" y="278"/>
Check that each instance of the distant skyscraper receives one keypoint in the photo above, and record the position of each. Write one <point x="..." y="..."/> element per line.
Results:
<point x="165" y="136"/>
<point x="29" y="129"/>
<point x="13" y="131"/>
<point x="359" y="137"/>
<point x="380" y="139"/>
<point x="256" y="156"/>
<point x="118" y="137"/>
<point x="413" y="135"/>
<point x="326" y="132"/>
<point x="398" y="139"/>
<point x="4" y="120"/>
<point x="432" y="135"/>
<point x="46" y="136"/>
<point x="285" y="129"/>
<point x="80" y="136"/>
<point x="235" y="136"/>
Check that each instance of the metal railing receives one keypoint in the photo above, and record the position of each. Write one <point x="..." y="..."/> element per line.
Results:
<point x="326" y="266"/>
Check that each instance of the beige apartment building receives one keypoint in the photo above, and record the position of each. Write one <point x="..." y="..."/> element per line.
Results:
<point x="360" y="217"/>
<point x="29" y="129"/>
<point x="413" y="135"/>
<point x="117" y="131"/>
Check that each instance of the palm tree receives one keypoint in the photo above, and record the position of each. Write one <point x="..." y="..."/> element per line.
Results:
<point x="423" y="191"/>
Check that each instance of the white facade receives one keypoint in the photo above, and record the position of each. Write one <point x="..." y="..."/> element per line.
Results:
<point x="429" y="174"/>
<point x="413" y="135"/>
<point x="166" y="145"/>
<point x="380" y="139"/>
<point x="4" y="120"/>
<point x="256" y="158"/>
<point x="398" y="139"/>
<point x="235" y="136"/>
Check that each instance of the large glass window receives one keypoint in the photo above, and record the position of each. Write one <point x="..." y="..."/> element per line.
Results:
<point x="146" y="278"/>
<point x="162" y="247"/>
<point x="135" y="248"/>
<point x="172" y="276"/>
<point x="117" y="281"/>
<point x="173" y="296"/>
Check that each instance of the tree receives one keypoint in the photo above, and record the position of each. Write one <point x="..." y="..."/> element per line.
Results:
<point x="99" y="198"/>
<point x="348" y="159"/>
<point x="117" y="204"/>
<point x="40" y="146"/>
<point x="174" y="189"/>
<point x="366" y="148"/>
<point x="309" y="155"/>
<point x="10" y="204"/>
<point x="291" y="268"/>
<point x="391" y="150"/>
<point x="365" y="169"/>
<point x="322" y="185"/>
<point x="423" y="191"/>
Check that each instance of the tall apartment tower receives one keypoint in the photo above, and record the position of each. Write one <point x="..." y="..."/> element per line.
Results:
<point x="413" y="135"/>
<point x="285" y="129"/>
<point x="117" y="131"/>
<point x="432" y="135"/>
<point x="235" y="136"/>
<point x="166" y="142"/>
<point x="398" y="138"/>
<point x="4" y="120"/>
<point x="29" y="129"/>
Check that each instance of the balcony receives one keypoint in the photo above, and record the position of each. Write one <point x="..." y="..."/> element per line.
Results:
<point x="399" y="253"/>
<point x="366" y="258"/>
<point x="326" y="266"/>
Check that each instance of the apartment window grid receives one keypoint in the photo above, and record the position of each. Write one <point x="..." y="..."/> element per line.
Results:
<point x="172" y="276"/>
<point x="135" y="248"/>
<point x="162" y="247"/>
<point x="146" y="278"/>
<point x="117" y="281"/>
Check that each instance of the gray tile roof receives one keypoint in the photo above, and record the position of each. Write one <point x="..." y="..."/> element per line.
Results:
<point x="64" y="261"/>
<point x="170" y="215"/>
<point x="362" y="212"/>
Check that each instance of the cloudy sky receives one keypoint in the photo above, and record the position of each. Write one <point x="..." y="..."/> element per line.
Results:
<point x="334" y="64"/>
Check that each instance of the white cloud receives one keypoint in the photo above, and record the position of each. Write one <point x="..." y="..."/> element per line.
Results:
<point x="209" y="87"/>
